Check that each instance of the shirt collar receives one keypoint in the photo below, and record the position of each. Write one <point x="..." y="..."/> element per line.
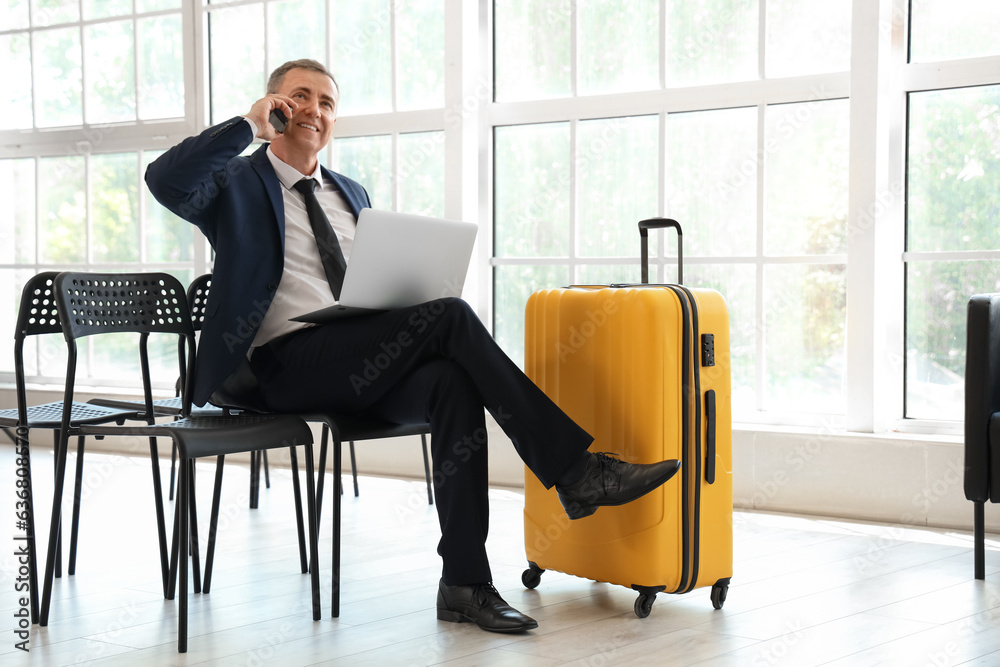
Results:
<point x="289" y="175"/>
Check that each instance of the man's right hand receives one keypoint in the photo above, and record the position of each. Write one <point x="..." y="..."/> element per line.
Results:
<point x="261" y="110"/>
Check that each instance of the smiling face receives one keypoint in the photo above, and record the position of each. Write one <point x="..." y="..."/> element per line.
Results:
<point x="309" y="129"/>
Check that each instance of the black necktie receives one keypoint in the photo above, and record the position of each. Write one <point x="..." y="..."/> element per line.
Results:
<point x="326" y="239"/>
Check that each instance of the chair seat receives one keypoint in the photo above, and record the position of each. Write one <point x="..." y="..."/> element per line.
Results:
<point x="163" y="407"/>
<point x="218" y="436"/>
<point x="349" y="427"/>
<point x="49" y="415"/>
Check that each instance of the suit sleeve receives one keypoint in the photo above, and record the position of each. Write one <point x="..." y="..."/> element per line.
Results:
<point x="189" y="178"/>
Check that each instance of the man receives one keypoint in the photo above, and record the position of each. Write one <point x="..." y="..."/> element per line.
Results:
<point x="270" y="267"/>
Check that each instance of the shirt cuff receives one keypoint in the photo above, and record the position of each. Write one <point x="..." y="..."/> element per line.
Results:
<point x="253" y="126"/>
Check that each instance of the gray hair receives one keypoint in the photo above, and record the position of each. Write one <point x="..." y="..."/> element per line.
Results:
<point x="278" y="75"/>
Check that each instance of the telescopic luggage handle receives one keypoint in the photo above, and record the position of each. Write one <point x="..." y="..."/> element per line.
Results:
<point x="657" y="223"/>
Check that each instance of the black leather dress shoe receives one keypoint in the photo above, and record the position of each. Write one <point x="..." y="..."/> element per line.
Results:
<point x="482" y="605"/>
<point x="611" y="481"/>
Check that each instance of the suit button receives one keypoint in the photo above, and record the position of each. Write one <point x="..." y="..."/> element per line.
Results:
<point x="271" y="287"/>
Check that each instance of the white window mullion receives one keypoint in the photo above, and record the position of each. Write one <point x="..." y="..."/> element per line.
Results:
<point x="760" y="366"/>
<point x="574" y="198"/>
<point x="660" y="247"/>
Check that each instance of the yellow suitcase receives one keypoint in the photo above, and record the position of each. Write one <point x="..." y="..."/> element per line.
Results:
<point x="645" y="369"/>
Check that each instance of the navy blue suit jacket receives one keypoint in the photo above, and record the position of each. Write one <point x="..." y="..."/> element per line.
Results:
<point x="237" y="203"/>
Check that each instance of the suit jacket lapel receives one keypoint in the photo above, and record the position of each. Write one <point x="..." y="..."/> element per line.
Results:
<point x="262" y="165"/>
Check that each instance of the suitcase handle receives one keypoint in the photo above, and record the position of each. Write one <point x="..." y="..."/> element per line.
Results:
<point x="657" y="223"/>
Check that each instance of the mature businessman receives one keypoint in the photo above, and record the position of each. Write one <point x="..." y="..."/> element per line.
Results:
<point x="270" y="266"/>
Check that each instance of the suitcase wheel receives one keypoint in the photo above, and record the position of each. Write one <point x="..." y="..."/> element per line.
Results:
<point x="644" y="604"/>
<point x="719" y="592"/>
<point x="532" y="576"/>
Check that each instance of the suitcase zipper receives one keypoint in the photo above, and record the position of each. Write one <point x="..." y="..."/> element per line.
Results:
<point x="691" y="435"/>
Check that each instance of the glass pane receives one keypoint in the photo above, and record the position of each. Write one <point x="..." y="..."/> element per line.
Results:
<point x="110" y="67"/>
<point x="420" y="54"/>
<point x="362" y="50"/>
<point x="712" y="166"/>
<point x="161" y="67"/>
<point x="58" y="72"/>
<point x="512" y="285"/>
<point x="617" y="162"/>
<point x="296" y="27"/>
<point x="711" y="41"/>
<point x="15" y="60"/>
<point x="532" y="49"/>
<point x="238" y="77"/>
<point x="737" y="283"/>
<point x="606" y="274"/>
<point x="10" y="297"/>
<point x="807" y="37"/>
<point x="532" y="190"/>
<point x="62" y="214"/>
<point x="951" y="29"/>
<point x="368" y="160"/>
<point x="805" y="179"/>
<point x="421" y="173"/>
<point x="168" y="238"/>
<point x="633" y="27"/>
<point x="51" y="12"/>
<point x="99" y="9"/>
<point x="17" y="225"/>
<point x="16" y="15"/>
<point x="804" y="338"/>
<point x="142" y="6"/>
<point x="114" y="207"/>
<point x="954" y="170"/>
<point x="936" y="295"/>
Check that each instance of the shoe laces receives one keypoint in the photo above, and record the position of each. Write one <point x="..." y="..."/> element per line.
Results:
<point x="484" y="592"/>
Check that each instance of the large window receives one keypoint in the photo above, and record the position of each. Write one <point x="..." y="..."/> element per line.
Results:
<point x="760" y="187"/>
<point x="85" y="81"/>
<point x="952" y="200"/>
<point x="846" y="215"/>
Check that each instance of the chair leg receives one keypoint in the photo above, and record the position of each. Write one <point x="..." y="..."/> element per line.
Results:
<point x="75" y="529"/>
<point x="23" y="451"/>
<point x="59" y="479"/>
<point x="322" y="473"/>
<point x="267" y="473"/>
<point x="173" y="469"/>
<point x="57" y="572"/>
<point x="254" y="478"/>
<point x="427" y="470"/>
<point x="317" y="605"/>
<point x="979" y="521"/>
<point x="168" y="594"/>
<point x="354" y="471"/>
<point x="183" y="493"/>
<point x="213" y="525"/>
<point x="297" y="494"/>
<point x="161" y="524"/>
<point x="337" y="484"/>
<point x="193" y="512"/>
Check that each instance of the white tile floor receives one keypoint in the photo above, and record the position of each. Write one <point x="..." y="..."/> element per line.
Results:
<point x="806" y="590"/>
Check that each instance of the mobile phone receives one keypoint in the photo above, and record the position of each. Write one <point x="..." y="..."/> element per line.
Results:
<point x="278" y="120"/>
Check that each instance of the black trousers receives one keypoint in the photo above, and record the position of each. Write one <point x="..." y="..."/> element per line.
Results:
<point x="434" y="362"/>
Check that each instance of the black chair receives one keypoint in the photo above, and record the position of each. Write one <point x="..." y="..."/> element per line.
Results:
<point x="982" y="415"/>
<point x="37" y="315"/>
<point x="91" y="304"/>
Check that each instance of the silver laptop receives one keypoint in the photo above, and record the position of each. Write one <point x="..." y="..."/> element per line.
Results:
<point x="399" y="260"/>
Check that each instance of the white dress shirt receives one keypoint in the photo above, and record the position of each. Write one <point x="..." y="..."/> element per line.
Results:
<point x="303" y="287"/>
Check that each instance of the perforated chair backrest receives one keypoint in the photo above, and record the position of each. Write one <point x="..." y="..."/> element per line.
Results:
<point x="197" y="298"/>
<point x="37" y="313"/>
<point x="143" y="303"/>
<point x="95" y="303"/>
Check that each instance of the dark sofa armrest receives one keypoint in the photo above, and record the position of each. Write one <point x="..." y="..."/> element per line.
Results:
<point x="982" y="398"/>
